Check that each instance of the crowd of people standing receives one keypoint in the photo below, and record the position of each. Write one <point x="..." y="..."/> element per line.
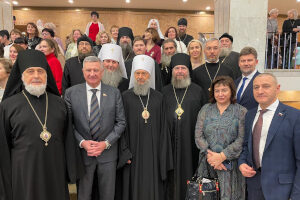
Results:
<point x="134" y="117"/>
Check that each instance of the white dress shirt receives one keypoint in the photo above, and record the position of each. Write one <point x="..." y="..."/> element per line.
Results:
<point x="267" y="119"/>
<point x="89" y="95"/>
<point x="247" y="81"/>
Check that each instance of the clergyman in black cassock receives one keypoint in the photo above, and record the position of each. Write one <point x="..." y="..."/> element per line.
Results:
<point x="212" y="68"/>
<point x="190" y="98"/>
<point x="37" y="170"/>
<point x="146" y="136"/>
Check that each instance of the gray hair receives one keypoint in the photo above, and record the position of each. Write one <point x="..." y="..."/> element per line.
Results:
<point x="168" y="41"/>
<point x="211" y="40"/>
<point x="295" y="13"/>
<point x="91" y="59"/>
<point x="274" y="10"/>
<point x="268" y="74"/>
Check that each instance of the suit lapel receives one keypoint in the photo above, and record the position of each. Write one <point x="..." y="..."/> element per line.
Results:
<point x="275" y="124"/>
<point x="102" y="98"/>
<point x="84" y="101"/>
<point x="251" y="119"/>
<point x="249" y="87"/>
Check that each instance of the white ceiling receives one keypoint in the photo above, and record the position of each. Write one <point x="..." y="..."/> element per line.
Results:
<point x="195" y="5"/>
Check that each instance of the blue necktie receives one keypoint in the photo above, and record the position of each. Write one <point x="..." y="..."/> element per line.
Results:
<point x="94" y="113"/>
<point x="238" y="96"/>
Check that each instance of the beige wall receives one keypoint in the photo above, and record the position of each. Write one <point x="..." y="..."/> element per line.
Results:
<point x="66" y="20"/>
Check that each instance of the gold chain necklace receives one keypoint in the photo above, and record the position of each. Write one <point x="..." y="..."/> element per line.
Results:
<point x="179" y="111"/>
<point x="45" y="135"/>
<point x="211" y="80"/>
<point x="145" y="113"/>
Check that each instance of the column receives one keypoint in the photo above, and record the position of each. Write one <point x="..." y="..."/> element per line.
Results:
<point x="221" y="16"/>
<point x="246" y="21"/>
<point x="6" y="15"/>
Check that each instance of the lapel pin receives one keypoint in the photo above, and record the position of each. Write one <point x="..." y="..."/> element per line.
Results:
<point x="280" y="114"/>
<point x="105" y="95"/>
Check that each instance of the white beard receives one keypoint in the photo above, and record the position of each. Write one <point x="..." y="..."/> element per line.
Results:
<point x="35" y="90"/>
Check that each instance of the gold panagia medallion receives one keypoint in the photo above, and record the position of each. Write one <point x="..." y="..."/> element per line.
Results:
<point x="45" y="136"/>
<point x="145" y="115"/>
<point x="179" y="111"/>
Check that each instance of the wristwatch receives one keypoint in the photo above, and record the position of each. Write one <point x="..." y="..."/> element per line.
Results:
<point x="107" y="144"/>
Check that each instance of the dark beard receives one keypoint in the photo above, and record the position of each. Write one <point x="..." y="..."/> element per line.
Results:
<point x="181" y="83"/>
<point x="181" y="34"/>
<point x="126" y="50"/>
<point x="82" y="56"/>
<point x="165" y="60"/>
<point x="112" y="78"/>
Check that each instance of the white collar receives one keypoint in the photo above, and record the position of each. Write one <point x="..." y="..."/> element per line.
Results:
<point x="271" y="107"/>
<point x="88" y="87"/>
<point x="212" y="62"/>
<point x="250" y="76"/>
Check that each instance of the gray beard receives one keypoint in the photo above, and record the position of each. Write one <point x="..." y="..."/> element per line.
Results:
<point x="183" y="83"/>
<point x="82" y="56"/>
<point x="165" y="60"/>
<point x="225" y="52"/>
<point x="112" y="78"/>
<point x="141" y="90"/>
<point x="126" y="49"/>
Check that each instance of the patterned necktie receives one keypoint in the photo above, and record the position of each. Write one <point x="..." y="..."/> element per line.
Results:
<point x="94" y="113"/>
<point x="256" y="134"/>
<point x="238" y="96"/>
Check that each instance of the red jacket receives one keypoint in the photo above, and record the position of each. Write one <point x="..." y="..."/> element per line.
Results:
<point x="56" y="69"/>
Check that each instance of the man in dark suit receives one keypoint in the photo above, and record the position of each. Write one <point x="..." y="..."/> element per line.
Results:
<point x="270" y="159"/>
<point x="98" y="121"/>
<point x="244" y="84"/>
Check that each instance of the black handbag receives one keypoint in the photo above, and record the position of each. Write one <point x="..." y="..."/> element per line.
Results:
<point x="201" y="187"/>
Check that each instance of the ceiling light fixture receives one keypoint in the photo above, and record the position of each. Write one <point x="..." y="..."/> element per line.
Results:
<point x="71" y="1"/>
<point x="202" y="13"/>
<point x="127" y="1"/>
<point x="15" y="2"/>
<point x="77" y="10"/>
<point x="184" y="0"/>
<point x="207" y="8"/>
<point x="25" y="9"/>
<point x="298" y="0"/>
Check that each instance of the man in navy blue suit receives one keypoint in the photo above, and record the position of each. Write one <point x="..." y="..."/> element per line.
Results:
<point x="247" y="63"/>
<point x="270" y="159"/>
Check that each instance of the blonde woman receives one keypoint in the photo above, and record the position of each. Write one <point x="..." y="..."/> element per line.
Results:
<point x="195" y="50"/>
<point x="72" y="47"/>
<point x="101" y="38"/>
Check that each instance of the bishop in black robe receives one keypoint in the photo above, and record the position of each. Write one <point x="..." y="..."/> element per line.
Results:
<point x="148" y="144"/>
<point x="148" y="140"/>
<point x="185" y="152"/>
<point x="37" y="171"/>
